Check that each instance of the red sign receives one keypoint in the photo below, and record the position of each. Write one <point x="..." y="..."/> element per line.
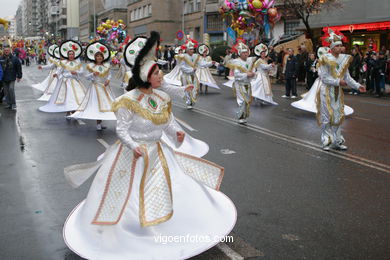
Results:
<point x="180" y="35"/>
<point x="362" y="26"/>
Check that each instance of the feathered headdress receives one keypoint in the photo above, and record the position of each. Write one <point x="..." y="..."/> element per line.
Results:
<point x="190" y="44"/>
<point x="240" y="47"/>
<point x="146" y="60"/>
<point x="332" y="38"/>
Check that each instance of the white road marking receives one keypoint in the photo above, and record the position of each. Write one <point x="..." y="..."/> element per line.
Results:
<point x="227" y="151"/>
<point x="80" y="122"/>
<point x="102" y="142"/>
<point x="349" y="157"/>
<point x="186" y="125"/>
<point x="229" y="252"/>
<point x="362" y="118"/>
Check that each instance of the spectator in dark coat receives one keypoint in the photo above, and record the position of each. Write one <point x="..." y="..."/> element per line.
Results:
<point x="169" y="55"/>
<point x="1" y="85"/>
<point x="354" y="68"/>
<point x="311" y="70"/>
<point x="291" y="75"/>
<point x="302" y="57"/>
<point x="378" y="73"/>
<point x="12" y="71"/>
<point x="280" y="58"/>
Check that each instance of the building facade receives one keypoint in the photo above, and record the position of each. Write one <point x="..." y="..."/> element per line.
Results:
<point x="113" y="10"/>
<point x="88" y="16"/>
<point x="363" y="22"/>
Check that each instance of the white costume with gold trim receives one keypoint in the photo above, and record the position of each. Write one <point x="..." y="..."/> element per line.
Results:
<point x="51" y="85"/>
<point x="126" y="74"/>
<point x="97" y="102"/>
<point x="46" y="82"/>
<point x="203" y="73"/>
<point x="261" y="84"/>
<point x="188" y="77"/>
<point x="164" y="193"/>
<point x="308" y="101"/>
<point x="174" y="77"/>
<point x="69" y="91"/>
<point x="330" y="96"/>
<point x="242" y="85"/>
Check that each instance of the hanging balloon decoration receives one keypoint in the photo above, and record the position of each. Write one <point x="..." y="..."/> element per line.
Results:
<point x="247" y="14"/>
<point x="112" y="31"/>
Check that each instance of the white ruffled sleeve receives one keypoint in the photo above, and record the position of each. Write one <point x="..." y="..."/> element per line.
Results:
<point x="123" y="123"/>
<point x="172" y="90"/>
<point x="171" y="130"/>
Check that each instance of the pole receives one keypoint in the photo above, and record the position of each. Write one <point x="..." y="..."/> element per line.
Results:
<point x="94" y="17"/>
<point x="182" y="20"/>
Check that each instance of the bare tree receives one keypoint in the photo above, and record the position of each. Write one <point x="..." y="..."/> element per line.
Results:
<point x="303" y="9"/>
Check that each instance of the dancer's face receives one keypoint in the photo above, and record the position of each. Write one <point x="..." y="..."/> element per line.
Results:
<point x="337" y="49"/>
<point x="99" y="58"/>
<point x="71" y="55"/>
<point x="155" y="78"/>
<point x="244" y="55"/>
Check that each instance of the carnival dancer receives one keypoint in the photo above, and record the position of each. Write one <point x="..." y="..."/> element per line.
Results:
<point x="203" y="73"/>
<point x="243" y="74"/>
<point x="97" y="102"/>
<point x="174" y="77"/>
<point x="54" y="59"/>
<point x="52" y="66"/>
<point x="261" y="84"/>
<point x="334" y="74"/>
<point x="143" y="189"/>
<point x="69" y="91"/>
<point x="190" y="145"/>
<point x="188" y="68"/>
<point x="308" y="101"/>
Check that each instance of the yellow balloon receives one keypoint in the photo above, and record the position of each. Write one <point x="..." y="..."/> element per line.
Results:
<point x="120" y="21"/>
<point x="257" y="4"/>
<point x="108" y="21"/>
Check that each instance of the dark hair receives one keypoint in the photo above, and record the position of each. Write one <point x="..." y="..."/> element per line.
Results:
<point x="149" y="45"/>
<point x="133" y="84"/>
<point x="72" y="51"/>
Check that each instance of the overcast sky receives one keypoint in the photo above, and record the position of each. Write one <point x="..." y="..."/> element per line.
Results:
<point x="8" y="7"/>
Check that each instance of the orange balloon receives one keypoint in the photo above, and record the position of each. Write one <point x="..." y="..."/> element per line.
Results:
<point x="272" y="12"/>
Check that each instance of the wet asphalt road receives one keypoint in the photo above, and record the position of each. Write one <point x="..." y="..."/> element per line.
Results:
<point x="294" y="201"/>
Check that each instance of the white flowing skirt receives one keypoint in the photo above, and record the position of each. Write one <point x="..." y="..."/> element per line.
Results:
<point x="201" y="216"/>
<point x="308" y="101"/>
<point x="49" y="90"/>
<point x="205" y="77"/>
<point x="259" y="89"/>
<point x="92" y="110"/>
<point x="43" y="85"/>
<point x="174" y="77"/>
<point x="70" y="91"/>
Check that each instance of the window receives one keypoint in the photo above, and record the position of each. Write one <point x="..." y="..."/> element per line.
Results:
<point x="190" y="7"/>
<point x="150" y="10"/>
<point x="132" y="16"/>
<point x="289" y="27"/>
<point x="198" y="6"/>
<point x="214" y="22"/>
<point x="145" y="11"/>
